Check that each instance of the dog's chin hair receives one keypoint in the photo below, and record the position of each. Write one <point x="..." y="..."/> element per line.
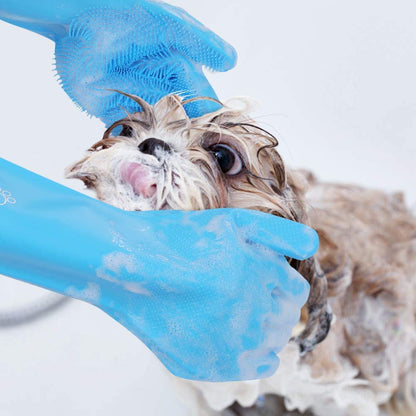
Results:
<point x="353" y="279"/>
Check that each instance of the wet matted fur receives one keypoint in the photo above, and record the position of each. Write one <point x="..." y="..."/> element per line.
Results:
<point x="364" y="272"/>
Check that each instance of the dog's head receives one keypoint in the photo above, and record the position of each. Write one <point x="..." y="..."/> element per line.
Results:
<point x="161" y="159"/>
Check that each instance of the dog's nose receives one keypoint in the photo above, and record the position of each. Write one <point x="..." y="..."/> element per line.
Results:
<point x="152" y="145"/>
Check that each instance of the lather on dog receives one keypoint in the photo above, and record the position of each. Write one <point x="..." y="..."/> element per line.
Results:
<point x="354" y="349"/>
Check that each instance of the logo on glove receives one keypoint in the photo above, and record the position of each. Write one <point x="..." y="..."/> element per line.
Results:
<point x="6" y="198"/>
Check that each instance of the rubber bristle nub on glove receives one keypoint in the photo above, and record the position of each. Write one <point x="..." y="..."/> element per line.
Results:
<point x="150" y="50"/>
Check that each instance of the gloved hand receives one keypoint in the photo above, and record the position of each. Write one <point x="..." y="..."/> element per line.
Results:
<point x="209" y="292"/>
<point x="142" y="47"/>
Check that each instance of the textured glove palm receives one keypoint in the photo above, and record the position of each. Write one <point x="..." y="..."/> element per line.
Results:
<point x="146" y="48"/>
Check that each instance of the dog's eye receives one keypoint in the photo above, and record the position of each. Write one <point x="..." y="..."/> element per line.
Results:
<point x="228" y="159"/>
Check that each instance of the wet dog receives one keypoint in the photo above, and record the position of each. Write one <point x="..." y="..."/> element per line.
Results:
<point x="353" y="351"/>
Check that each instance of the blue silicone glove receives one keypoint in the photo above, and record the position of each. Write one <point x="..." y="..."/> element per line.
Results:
<point x="209" y="292"/>
<point x="142" y="47"/>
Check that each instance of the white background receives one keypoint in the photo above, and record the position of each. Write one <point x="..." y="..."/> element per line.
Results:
<point x="335" y="80"/>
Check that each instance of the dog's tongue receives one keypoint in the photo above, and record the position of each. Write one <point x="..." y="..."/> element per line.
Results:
<point x="140" y="178"/>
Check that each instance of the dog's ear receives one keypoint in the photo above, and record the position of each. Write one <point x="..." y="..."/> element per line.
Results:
<point x="74" y="169"/>
<point x="319" y="314"/>
<point x="77" y="171"/>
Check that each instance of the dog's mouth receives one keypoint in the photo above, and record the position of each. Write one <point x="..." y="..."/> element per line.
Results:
<point x="140" y="177"/>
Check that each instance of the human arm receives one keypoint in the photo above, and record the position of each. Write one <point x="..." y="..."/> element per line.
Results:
<point x="209" y="292"/>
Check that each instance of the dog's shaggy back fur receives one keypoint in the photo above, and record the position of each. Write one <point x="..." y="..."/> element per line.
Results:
<point x="364" y="271"/>
<point x="368" y="255"/>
